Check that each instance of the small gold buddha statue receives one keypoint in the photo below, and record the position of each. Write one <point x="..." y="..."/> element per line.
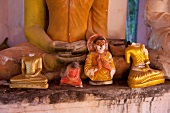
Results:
<point x="141" y="75"/>
<point x="99" y="65"/>
<point x="31" y="76"/>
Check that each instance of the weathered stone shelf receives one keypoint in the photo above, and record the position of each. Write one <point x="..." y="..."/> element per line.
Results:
<point x="69" y="98"/>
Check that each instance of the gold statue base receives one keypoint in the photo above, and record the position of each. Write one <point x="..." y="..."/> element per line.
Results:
<point x="32" y="85"/>
<point x="146" y="84"/>
<point x="37" y="82"/>
<point x="96" y="83"/>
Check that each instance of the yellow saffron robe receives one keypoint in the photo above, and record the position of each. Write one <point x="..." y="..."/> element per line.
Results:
<point x="102" y="74"/>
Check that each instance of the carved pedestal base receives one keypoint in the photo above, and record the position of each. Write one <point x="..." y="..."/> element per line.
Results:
<point x="146" y="84"/>
<point x="32" y="85"/>
<point x="20" y="81"/>
<point x="100" y="82"/>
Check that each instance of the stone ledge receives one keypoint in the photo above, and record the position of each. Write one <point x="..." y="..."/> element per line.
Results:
<point x="60" y="94"/>
<point x="65" y="97"/>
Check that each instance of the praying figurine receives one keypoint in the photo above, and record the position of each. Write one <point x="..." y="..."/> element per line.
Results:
<point x="99" y="64"/>
<point x="141" y="75"/>
<point x="31" y="76"/>
<point x="72" y="75"/>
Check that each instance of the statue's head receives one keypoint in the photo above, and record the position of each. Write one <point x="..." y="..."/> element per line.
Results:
<point x="93" y="40"/>
<point x="99" y="44"/>
<point x="74" y="64"/>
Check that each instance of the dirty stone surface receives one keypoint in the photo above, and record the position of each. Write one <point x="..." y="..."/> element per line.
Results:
<point x="61" y="94"/>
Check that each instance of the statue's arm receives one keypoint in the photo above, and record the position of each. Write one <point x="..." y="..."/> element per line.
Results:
<point x="78" y="73"/>
<point x="89" y="68"/>
<point x="39" y="67"/>
<point x="111" y="61"/>
<point x="23" y="66"/>
<point x="35" y="22"/>
<point x="98" y="18"/>
<point x="127" y="56"/>
<point x="146" y="55"/>
<point x="108" y="63"/>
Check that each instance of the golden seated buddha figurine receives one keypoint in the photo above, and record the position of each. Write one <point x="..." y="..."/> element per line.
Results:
<point x="141" y="75"/>
<point x="99" y="65"/>
<point x="31" y="76"/>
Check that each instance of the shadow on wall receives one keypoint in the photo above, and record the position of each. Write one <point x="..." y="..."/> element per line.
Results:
<point x="4" y="44"/>
<point x="12" y="21"/>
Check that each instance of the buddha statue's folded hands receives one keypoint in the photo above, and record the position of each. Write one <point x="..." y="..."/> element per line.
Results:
<point x="73" y="47"/>
<point x="37" y="72"/>
<point x="68" y="52"/>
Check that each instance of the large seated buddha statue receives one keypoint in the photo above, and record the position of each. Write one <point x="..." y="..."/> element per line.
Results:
<point x="57" y="30"/>
<point x="31" y="76"/>
<point x="141" y="75"/>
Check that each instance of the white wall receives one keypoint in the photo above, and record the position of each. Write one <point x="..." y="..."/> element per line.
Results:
<point x="12" y="21"/>
<point x="117" y="19"/>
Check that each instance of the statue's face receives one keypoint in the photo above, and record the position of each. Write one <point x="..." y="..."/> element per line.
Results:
<point x="100" y="46"/>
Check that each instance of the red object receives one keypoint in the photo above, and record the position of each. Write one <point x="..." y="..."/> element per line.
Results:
<point x="72" y="77"/>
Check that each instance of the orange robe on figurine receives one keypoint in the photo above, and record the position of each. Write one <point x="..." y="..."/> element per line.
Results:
<point x="72" y="75"/>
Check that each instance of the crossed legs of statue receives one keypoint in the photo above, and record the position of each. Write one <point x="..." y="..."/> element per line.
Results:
<point x="10" y="61"/>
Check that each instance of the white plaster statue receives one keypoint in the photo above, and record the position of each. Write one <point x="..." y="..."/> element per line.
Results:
<point x="157" y="16"/>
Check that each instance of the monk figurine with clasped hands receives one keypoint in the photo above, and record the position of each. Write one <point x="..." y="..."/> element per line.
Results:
<point x="99" y="64"/>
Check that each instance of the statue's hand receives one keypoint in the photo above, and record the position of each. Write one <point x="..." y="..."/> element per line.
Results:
<point x="147" y="62"/>
<point x="58" y="46"/>
<point x="69" y="52"/>
<point x="64" y="58"/>
<point x="99" y="62"/>
<point x="74" y="47"/>
<point x="106" y="65"/>
<point x="79" y="47"/>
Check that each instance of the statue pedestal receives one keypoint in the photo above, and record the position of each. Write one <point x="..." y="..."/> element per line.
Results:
<point x="96" y="83"/>
<point x="20" y="81"/>
<point x="115" y="98"/>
